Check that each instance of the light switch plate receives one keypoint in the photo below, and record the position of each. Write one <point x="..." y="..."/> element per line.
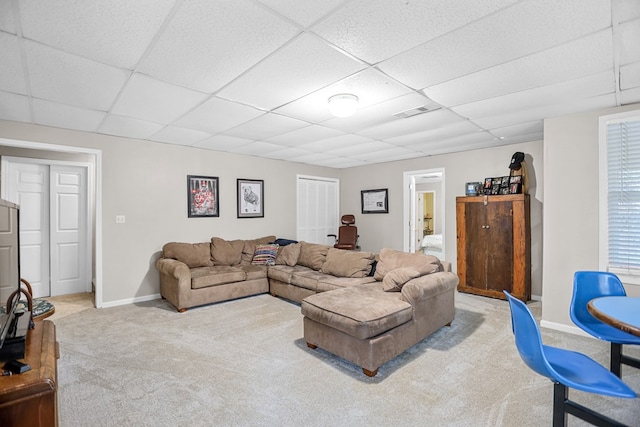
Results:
<point x="119" y="219"/>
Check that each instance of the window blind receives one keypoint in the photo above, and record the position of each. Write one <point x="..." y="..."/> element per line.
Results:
<point x="623" y="203"/>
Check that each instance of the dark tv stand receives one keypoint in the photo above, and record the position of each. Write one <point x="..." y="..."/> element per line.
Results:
<point x="29" y="399"/>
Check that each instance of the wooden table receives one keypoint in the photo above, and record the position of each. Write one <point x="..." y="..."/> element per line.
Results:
<point x="620" y="312"/>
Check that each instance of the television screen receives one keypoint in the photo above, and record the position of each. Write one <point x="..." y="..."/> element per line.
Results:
<point x="9" y="263"/>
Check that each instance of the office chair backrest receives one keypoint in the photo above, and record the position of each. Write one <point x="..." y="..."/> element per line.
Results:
<point x="347" y="233"/>
<point x="528" y="339"/>
<point x="588" y="285"/>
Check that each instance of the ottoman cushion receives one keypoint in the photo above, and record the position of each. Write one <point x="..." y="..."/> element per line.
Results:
<point x="362" y="311"/>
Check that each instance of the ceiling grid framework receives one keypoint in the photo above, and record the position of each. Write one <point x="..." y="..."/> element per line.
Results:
<point x="253" y="77"/>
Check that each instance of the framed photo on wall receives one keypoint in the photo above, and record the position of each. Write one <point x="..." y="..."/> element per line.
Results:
<point x="374" y="201"/>
<point x="250" y="198"/>
<point x="202" y="196"/>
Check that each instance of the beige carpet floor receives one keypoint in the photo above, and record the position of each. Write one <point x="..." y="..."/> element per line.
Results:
<point x="244" y="363"/>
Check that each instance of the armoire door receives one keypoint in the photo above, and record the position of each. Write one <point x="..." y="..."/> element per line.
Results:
<point x="499" y="246"/>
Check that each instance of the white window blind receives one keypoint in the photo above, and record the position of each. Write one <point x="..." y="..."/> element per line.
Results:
<point x="623" y="196"/>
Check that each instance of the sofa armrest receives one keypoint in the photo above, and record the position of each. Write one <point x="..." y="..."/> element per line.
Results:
<point x="175" y="282"/>
<point x="425" y="287"/>
<point x="174" y="268"/>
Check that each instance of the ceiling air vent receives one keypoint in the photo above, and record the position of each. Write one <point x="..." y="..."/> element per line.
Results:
<point x="415" y="111"/>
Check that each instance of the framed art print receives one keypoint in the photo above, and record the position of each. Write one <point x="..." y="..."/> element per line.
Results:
<point x="374" y="201"/>
<point x="202" y="196"/>
<point x="250" y="198"/>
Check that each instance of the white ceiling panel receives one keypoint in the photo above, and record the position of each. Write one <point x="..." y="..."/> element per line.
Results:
<point x="629" y="34"/>
<point x="375" y="30"/>
<point x="150" y="99"/>
<point x="128" y="127"/>
<point x="517" y="31"/>
<point x="305" y="135"/>
<point x="179" y="136"/>
<point x="356" y="150"/>
<point x="222" y="143"/>
<point x="288" y="153"/>
<point x="14" y="107"/>
<point x="557" y="93"/>
<point x="115" y="32"/>
<point x="399" y="127"/>
<point x="336" y="143"/>
<point x="370" y="86"/>
<point x="11" y="70"/>
<point x="310" y="62"/>
<point x="625" y="10"/>
<point x="630" y="96"/>
<point x="535" y="127"/>
<point x="208" y="43"/>
<point x="257" y="148"/>
<point x="468" y="141"/>
<point x="341" y="162"/>
<point x="313" y="158"/>
<point x="6" y="17"/>
<point x="303" y="12"/>
<point x="457" y="129"/>
<point x="630" y="76"/>
<point x="217" y="115"/>
<point x="71" y="79"/>
<point x="266" y="126"/>
<point x="388" y="155"/>
<point x="583" y="57"/>
<point x="66" y="116"/>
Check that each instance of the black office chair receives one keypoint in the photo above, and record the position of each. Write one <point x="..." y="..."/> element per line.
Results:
<point x="347" y="237"/>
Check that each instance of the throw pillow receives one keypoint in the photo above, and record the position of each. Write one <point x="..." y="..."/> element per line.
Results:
<point x="312" y="255"/>
<point x="391" y="259"/>
<point x="250" y="247"/>
<point x="288" y="255"/>
<point x="192" y="254"/>
<point x="265" y="255"/>
<point x="395" y="279"/>
<point x="226" y="252"/>
<point x="343" y="263"/>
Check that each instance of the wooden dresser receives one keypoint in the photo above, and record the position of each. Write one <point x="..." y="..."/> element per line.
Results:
<point x="30" y="399"/>
<point x="494" y="245"/>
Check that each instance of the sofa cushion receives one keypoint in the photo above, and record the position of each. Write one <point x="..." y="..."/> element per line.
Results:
<point x="203" y="277"/>
<point x="281" y="273"/>
<point x="395" y="279"/>
<point x="254" y="272"/>
<point x="391" y="259"/>
<point x="192" y="254"/>
<point x="307" y="279"/>
<point x="330" y="283"/>
<point x="250" y="247"/>
<point x="344" y="263"/>
<point x="226" y="252"/>
<point x="265" y="255"/>
<point x="312" y="255"/>
<point x="288" y="254"/>
<point x="362" y="311"/>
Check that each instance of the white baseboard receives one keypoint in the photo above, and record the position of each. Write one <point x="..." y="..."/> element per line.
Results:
<point x="131" y="300"/>
<point x="564" y="328"/>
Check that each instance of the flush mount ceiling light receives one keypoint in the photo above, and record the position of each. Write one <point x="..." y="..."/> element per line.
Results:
<point x="343" y="104"/>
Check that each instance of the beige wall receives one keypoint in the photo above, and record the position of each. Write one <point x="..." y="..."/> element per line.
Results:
<point x="570" y="209"/>
<point x="386" y="230"/>
<point x="147" y="183"/>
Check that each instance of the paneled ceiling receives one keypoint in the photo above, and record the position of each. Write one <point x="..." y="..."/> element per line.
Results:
<point x="253" y="76"/>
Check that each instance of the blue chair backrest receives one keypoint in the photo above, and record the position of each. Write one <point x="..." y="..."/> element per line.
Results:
<point x="528" y="339"/>
<point x="588" y="285"/>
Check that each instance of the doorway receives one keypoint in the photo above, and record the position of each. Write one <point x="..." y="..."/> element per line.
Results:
<point x="416" y="185"/>
<point x="318" y="205"/>
<point x="55" y="235"/>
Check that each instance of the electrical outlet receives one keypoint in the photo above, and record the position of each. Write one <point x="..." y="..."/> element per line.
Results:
<point x="119" y="219"/>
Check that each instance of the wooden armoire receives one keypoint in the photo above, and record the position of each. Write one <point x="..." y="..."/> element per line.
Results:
<point x="494" y="245"/>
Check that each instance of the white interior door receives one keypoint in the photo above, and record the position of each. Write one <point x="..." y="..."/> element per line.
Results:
<point x="54" y="237"/>
<point x="318" y="209"/>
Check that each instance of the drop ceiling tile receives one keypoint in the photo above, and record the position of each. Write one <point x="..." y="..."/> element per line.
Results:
<point x="286" y="153"/>
<point x="305" y="135"/>
<point x="341" y="163"/>
<point x="6" y="17"/>
<point x="630" y="76"/>
<point x="378" y="114"/>
<point x="625" y="10"/>
<point x="387" y="155"/>
<point x="629" y="34"/>
<point x="257" y="148"/>
<point x="14" y="107"/>
<point x="400" y="126"/>
<point x="313" y="158"/>
<point x="556" y="93"/>
<point x="534" y="127"/>
<point x="379" y="29"/>
<point x="116" y="32"/>
<point x="209" y="43"/>
<point x="367" y="147"/>
<point x="150" y="99"/>
<point x="128" y="127"/>
<point x="437" y="134"/>
<point x="11" y="73"/>
<point x="178" y="135"/>
<point x="546" y="111"/>
<point x="303" y="12"/>
<point x="217" y="115"/>
<point x="266" y="126"/>
<point x="511" y="33"/>
<point x="523" y="137"/>
<point x="335" y="143"/>
<point x="583" y="57"/>
<point x="71" y="79"/>
<point x="66" y="116"/>
<point x="457" y="144"/>
<point x="222" y="143"/>
<point x="370" y="86"/>
<point x="307" y="61"/>
<point x="630" y="96"/>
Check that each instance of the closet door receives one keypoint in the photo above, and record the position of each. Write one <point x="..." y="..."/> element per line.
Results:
<point x="317" y="209"/>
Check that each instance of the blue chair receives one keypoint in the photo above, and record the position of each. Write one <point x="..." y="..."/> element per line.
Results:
<point x="564" y="368"/>
<point x="588" y="285"/>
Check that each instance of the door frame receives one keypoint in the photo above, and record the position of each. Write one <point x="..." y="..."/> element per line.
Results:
<point x="409" y="205"/>
<point x="94" y="183"/>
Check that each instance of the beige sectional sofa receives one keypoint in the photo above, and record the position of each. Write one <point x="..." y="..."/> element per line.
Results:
<point x="363" y="307"/>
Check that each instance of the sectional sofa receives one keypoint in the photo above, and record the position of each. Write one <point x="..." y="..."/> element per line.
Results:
<point x="364" y="307"/>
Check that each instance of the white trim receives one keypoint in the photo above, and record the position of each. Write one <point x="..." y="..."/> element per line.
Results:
<point x="408" y="192"/>
<point x="133" y="300"/>
<point x="98" y="196"/>
<point x="574" y="330"/>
